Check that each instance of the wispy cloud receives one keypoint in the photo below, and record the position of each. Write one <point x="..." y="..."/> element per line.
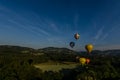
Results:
<point x="101" y="35"/>
<point x="37" y="25"/>
<point x="24" y="23"/>
<point x="105" y="36"/>
<point x="54" y="27"/>
<point x="107" y="33"/>
<point x="23" y="27"/>
<point x="98" y="35"/>
<point x="39" y="31"/>
<point x="4" y="9"/>
<point x="47" y="23"/>
<point x="34" y="25"/>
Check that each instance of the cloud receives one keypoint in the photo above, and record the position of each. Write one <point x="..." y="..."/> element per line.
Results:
<point x="23" y="23"/>
<point x="39" y="31"/>
<point x="105" y="36"/>
<point x="110" y="31"/>
<point x="32" y="23"/>
<point x="46" y="23"/>
<point x="54" y="27"/>
<point x="4" y="9"/>
<point x="27" y="27"/>
<point x="98" y="34"/>
<point x="37" y="25"/>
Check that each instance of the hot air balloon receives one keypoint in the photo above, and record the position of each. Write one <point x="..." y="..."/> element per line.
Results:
<point x="77" y="58"/>
<point x="76" y="36"/>
<point x="89" y="48"/>
<point x="82" y="60"/>
<point x="87" y="61"/>
<point x="72" y="44"/>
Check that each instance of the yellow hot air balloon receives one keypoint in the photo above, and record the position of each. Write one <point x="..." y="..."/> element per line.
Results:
<point x="89" y="48"/>
<point x="82" y="60"/>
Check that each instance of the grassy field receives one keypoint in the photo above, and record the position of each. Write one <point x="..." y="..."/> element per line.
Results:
<point x="54" y="66"/>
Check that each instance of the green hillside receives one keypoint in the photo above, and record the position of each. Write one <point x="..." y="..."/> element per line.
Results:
<point x="57" y="64"/>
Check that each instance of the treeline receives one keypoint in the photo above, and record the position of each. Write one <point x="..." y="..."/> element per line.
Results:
<point x="19" y="65"/>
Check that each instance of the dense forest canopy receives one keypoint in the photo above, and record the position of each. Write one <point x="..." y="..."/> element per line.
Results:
<point x="17" y="63"/>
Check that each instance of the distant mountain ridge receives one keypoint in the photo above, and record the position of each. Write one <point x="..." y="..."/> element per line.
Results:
<point x="18" y="49"/>
<point x="57" y="50"/>
<point x="14" y="47"/>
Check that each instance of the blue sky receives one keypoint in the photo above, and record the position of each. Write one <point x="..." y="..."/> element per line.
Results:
<point x="46" y="23"/>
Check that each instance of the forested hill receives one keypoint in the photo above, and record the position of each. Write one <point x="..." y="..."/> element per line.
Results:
<point x="56" y="50"/>
<point x="19" y="49"/>
<point x="15" y="49"/>
<point x="23" y="63"/>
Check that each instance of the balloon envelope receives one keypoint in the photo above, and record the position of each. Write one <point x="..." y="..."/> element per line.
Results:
<point x="87" y="61"/>
<point x="72" y="44"/>
<point x="76" y="36"/>
<point x="82" y="60"/>
<point x="89" y="48"/>
<point x="77" y="57"/>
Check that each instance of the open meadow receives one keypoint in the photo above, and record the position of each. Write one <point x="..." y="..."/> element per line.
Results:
<point x="56" y="67"/>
